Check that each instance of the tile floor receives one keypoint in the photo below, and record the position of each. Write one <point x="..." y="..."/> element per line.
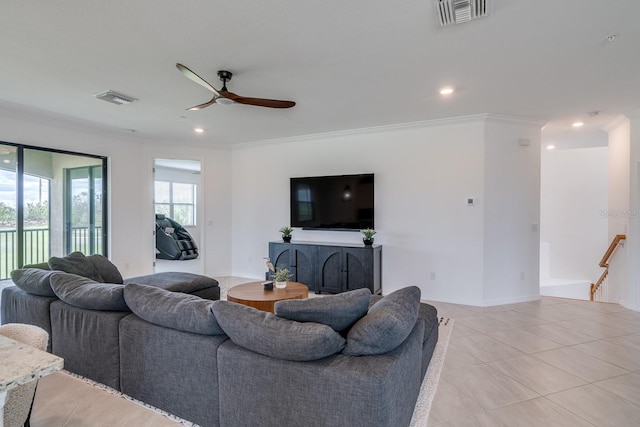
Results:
<point x="553" y="362"/>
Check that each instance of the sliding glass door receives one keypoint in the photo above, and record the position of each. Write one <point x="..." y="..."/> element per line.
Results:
<point x="84" y="210"/>
<point x="51" y="204"/>
<point x="8" y="211"/>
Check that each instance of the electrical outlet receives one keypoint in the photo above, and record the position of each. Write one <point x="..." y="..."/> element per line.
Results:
<point x="433" y="275"/>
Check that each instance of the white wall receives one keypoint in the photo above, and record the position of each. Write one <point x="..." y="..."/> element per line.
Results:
<point x="423" y="175"/>
<point x="574" y="206"/>
<point x="511" y="211"/>
<point x="130" y="161"/>
<point x="618" y="213"/>
<point x="631" y="296"/>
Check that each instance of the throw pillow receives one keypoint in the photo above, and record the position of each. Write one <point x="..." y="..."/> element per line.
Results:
<point x="85" y="293"/>
<point x="339" y="311"/>
<point x="173" y="310"/>
<point x="34" y="281"/>
<point x="387" y="324"/>
<point x="273" y="336"/>
<point x="75" y="263"/>
<point x="105" y="269"/>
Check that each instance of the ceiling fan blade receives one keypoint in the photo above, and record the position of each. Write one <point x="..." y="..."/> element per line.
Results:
<point x="259" y="102"/>
<point x="196" y="78"/>
<point x="205" y="105"/>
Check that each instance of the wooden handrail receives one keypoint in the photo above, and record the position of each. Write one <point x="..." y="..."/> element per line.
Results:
<point x="604" y="263"/>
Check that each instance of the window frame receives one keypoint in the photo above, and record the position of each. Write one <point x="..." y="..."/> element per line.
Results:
<point x="172" y="204"/>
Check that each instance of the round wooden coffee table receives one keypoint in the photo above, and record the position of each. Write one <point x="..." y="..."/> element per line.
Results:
<point x="254" y="295"/>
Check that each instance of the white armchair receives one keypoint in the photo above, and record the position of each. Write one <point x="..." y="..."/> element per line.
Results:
<point x="19" y="400"/>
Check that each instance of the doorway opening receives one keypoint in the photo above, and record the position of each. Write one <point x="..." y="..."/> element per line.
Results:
<point x="177" y="202"/>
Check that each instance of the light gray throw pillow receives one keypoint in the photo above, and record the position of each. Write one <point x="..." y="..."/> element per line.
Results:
<point x="85" y="293"/>
<point x="339" y="311"/>
<point x="173" y="310"/>
<point x="387" y="324"/>
<point x="273" y="336"/>
<point x="34" y="281"/>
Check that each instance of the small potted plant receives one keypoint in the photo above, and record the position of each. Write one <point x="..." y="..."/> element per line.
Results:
<point x="281" y="277"/>
<point x="367" y="234"/>
<point x="286" y="233"/>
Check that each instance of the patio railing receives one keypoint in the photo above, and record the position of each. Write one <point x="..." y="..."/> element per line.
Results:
<point x="37" y="246"/>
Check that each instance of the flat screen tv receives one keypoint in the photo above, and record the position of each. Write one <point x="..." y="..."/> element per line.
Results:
<point x="342" y="202"/>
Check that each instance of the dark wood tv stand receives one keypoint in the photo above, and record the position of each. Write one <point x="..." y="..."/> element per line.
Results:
<point x="330" y="267"/>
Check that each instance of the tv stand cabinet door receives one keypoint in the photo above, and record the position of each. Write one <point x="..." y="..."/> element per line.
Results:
<point x="280" y="256"/>
<point x="358" y="268"/>
<point x="330" y="269"/>
<point x="303" y="265"/>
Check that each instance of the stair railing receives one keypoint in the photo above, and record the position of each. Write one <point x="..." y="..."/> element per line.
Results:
<point x="596" y="288"/>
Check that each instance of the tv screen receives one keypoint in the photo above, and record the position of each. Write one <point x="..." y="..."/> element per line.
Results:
<point x="343" y="202"/>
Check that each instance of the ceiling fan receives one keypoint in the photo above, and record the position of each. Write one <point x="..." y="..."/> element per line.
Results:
<point x="225" y="97"/>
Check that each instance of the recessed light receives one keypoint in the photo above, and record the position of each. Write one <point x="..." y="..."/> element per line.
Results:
<point x="6" y="161"/>
<point x="551" y="147"/>
<point x="198" y="130"/>
<point x="577" y="124"/>
<point x="446" y="91"/>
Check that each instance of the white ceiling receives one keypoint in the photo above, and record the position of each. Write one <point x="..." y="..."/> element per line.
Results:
<point x="347" y="64"/>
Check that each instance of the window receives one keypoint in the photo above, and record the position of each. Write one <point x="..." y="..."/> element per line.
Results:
<point x="176" y="200"/>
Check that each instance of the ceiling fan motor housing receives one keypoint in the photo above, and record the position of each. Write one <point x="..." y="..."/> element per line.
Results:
<point x="225" y="75"/>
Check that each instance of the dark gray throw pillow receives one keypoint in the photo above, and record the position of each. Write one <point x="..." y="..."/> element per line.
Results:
<point x="273" y="336"/>
<point x="85" y="293"/>
<point x="387" y="324"/>
<point x="34" y="281"/>
<point x="339" y="311"/>
<point x="173" y="310"/>
<point x="105" y="269"/>
<point x="76" y="263"/>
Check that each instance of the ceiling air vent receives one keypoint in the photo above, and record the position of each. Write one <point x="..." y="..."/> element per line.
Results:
<point x="115" y="97"/>
<point x="458" y="11"/>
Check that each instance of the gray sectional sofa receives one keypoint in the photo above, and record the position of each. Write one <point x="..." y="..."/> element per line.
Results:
<point x="350" y="359"/>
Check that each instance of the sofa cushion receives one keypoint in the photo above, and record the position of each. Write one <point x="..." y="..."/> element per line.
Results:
<point x="174" y="281"/>
<point x="339" y="311"/>
<point x="173" y="310"/>
<point x="41" y="266"/>
<point x="387" y="324"/>
<point x="34" y="281"/>
<point x="105" y="269"/>
<point x="76" y="263"/>
<point x="273" y="336"/>
<point x="85" y="293"/>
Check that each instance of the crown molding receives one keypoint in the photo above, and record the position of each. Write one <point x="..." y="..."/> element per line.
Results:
<point x="621" y="119"/>
<point x="471" y="119"/>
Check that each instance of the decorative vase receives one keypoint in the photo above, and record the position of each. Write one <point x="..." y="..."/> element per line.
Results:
<point x="286" y="239"/>
<point x="367" y="242"/>
<point x="281" y="285"/>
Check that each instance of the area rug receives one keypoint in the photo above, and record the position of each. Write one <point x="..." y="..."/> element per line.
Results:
<point x="432" y="377"/>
